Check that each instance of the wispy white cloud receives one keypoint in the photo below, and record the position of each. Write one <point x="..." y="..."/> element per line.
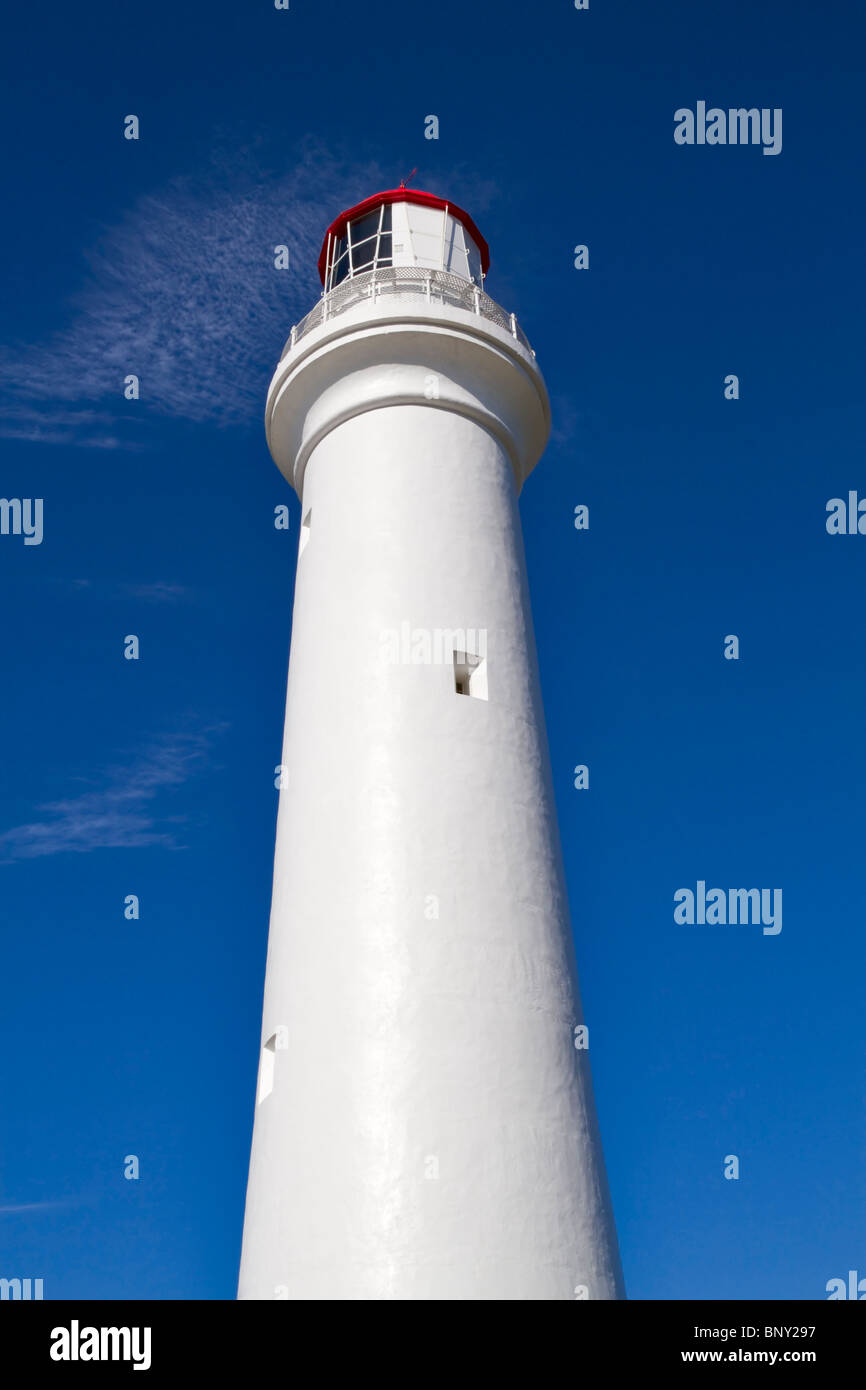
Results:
<point x="122" y="811"/>
<point x="567" y="419"/>
<point x="38" y="423"/>
<point x="33" y="1206"/>
<point x="158" y="591"/>
<point x="182" y="292"/>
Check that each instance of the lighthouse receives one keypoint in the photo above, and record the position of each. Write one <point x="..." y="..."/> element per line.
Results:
<point x="424" y="1119"/>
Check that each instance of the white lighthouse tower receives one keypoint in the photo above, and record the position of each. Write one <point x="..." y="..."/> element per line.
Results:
<point x="424" y="1125"/>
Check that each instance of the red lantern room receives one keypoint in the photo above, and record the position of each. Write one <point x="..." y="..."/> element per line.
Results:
<point x="403" y="227"/>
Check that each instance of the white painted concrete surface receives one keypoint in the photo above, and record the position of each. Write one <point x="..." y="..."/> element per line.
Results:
<point x="427" y="1128"/>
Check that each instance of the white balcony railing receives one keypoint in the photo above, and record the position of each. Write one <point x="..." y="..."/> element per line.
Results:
<point x="403" y="283"/>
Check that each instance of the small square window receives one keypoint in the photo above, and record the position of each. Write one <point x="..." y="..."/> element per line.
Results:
<point x="364" y="227"/>
<point x="266" y="1068"/>
<point x="341" y="269"/>
<point x="470" y="675"/>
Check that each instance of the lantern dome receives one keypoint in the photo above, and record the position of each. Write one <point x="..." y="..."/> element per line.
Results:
<point x="403" y="227"/>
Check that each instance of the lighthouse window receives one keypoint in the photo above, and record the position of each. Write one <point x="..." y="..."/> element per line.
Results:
<point x="266" y="1068"/>
<point x="340" y="261"/>
<point x="365" y="227"/>
<point x="370" y="240"/>
<point x="366" y="245"/>
<point x="383" y="255"/>
<point x="470" y="675"/>
<point x="305" y="532"/>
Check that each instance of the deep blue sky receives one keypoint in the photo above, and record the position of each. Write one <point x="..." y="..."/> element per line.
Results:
<point x="707" y="518"/>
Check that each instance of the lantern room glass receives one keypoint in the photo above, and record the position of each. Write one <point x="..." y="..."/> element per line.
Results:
<point x="366" y="246"/>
